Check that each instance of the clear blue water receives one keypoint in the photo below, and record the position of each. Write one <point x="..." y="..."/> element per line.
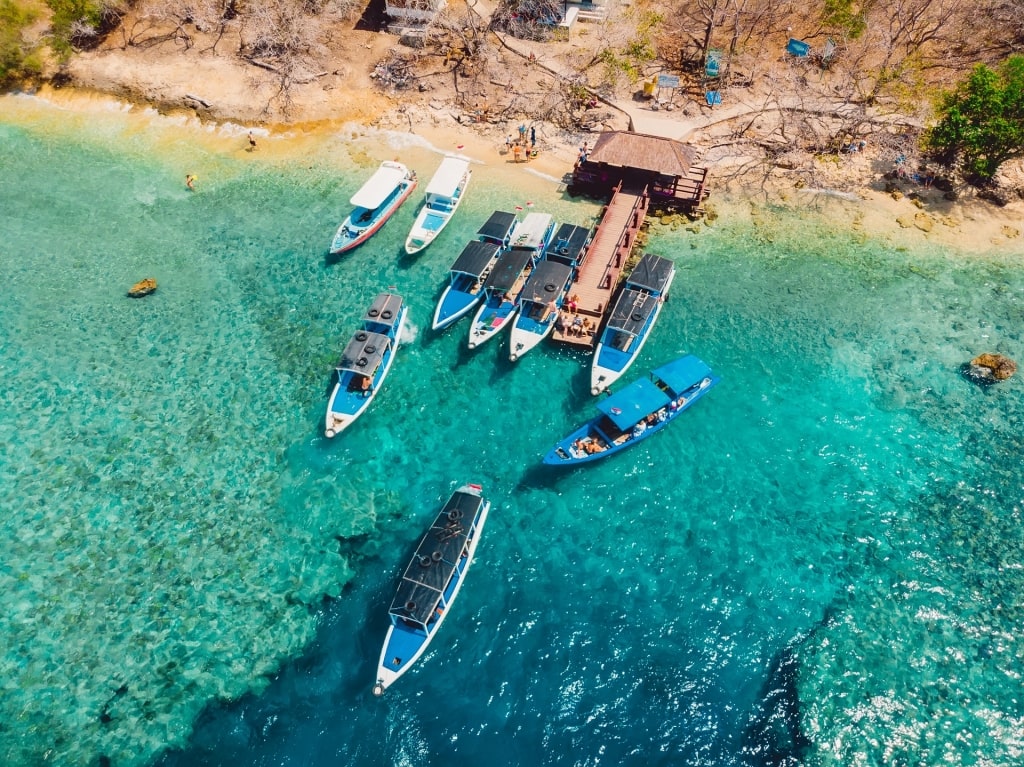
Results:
<point x="820" y="564"/>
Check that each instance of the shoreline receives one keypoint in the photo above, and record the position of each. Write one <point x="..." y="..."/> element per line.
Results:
<point x="968" y="225"/>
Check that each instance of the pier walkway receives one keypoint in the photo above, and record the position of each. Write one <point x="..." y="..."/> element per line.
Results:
<point x="598" y="276"/>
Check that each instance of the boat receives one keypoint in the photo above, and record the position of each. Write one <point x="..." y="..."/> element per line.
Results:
<point x="431" y="582"/>
<point x="373" y="205"/>
<point x="365" y="362"/>
<point x="635" y="412"/>
<point x="466" y="276"/>
<point x="631" y="320"/>
<point x="504" y="285"/>
<point x="444" y="194"/>
<point x="545" y="290"/>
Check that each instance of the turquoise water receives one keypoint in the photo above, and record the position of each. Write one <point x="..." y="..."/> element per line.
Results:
<point x="820" y="564"/>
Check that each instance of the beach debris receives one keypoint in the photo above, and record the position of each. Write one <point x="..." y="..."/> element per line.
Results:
<point x="989" y="367"/>
<point x="142" y="288"/>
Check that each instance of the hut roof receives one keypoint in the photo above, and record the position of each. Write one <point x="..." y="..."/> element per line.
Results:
<point x="643" y="152"/>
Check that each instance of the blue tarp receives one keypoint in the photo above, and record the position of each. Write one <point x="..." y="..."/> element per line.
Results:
<point x="797" y="48"/>
<point x="628" y="406"/>
<point x="682" y="373"/>
<point x="714" y="97"/>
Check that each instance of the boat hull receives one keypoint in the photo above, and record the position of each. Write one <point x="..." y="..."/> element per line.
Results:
<point x="488" y="322"/>
<point x="453" y="306"/>
<point x="522" y="339"/>
<point x="409" y="644"/>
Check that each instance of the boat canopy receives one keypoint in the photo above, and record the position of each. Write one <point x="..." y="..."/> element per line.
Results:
<point x="632" y="310"/>
<point x="380" y="185"/>
<point x="363" y="353"/>
<point x="384" y="309"/>
<point x="547" y="282"/>
<point x="632" y="404"/>
<point x="533" y="231"/>
<point x="436" y="558"/>
<point x="448" y="177"/>
<point x="653" y="273"/>
<point x="569" y="243"/>
<point x="499" y="226"/>
<point x="475" y="258"/>
<point x="679" y="375"/>
<point x="505" y="273"/>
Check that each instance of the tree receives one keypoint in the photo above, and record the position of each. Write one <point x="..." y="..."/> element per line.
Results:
<point x="982" y="122"/>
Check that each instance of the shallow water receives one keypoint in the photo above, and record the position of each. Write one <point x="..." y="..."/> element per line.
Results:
<point x="821" y="563"/>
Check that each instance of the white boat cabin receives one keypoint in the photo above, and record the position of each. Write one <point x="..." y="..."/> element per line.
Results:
<point x="447" y="184"/>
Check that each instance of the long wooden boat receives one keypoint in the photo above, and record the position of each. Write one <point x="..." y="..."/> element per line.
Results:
<point x="365" y="362"/>
<point x="444" y="195"/>
<point x="635" y="412"/>
<point x="504" y="285"/>
<point x="632" y="317"/>
<point x="467" y="275"/>
<point x="431" y="582"/>
<point x="545" y="291"/>
<point x="374" y="203"/>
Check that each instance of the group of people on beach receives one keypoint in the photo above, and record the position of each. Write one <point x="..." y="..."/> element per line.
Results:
<point x="521" y="151"/>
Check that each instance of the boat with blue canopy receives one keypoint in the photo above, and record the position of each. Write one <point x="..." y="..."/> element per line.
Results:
<point x="637" y="411"/>
<point x="444" y="195"/>
<point x="431" y="582"/>
<point x="374" y="203"/>
<point x="545" y="290"/>
<point x="504" y="285"/>
<point x="365" y="362"/>
<point x="631" y="320"/>
<point x="467" y="275"/>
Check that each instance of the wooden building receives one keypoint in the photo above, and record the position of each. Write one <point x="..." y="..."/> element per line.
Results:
<point x="663" y="166"/>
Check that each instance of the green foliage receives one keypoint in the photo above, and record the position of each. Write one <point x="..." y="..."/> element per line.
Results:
<point x="637" y="52"/>
<point x="982" y="122"/>
<point x="845" y="16"/>
<point x="15" y="60"/>
<point x="66" y="13"/>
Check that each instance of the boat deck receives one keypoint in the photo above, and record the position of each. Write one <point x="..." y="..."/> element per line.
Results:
<point x="609" y="251"/>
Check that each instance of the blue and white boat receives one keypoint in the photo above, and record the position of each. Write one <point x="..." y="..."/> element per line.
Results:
<point x="374" y="204"/>
<point x="635" y="412"/>
<point x="631" y="320"/>
<point x="466" y="276"/>
<point x="504" y="285"/>
<point x="431" y="583"/>
<point x="545" y="291"/>
<point x="365" y="362"/>
<point x="444" y="195"/>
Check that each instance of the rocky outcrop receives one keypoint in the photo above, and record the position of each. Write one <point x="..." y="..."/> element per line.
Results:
<point x="142" y="288"/>
<point x="988" y="368"/>
<point x="1008" y="183"/>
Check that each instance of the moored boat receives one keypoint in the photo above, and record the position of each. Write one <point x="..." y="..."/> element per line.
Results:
<point x="365" y="362"/>
<point x="539" y="305"/>
<point x="545" y="290"/>
<point x="636" y="411"/>
<point x="504" y="285"/>
<point x="631" y="320"/>
<point x="444" y="195"/>
<point x="374" y="203"/>
<point x="471" y="268"/>
<point x="431" y="582"/>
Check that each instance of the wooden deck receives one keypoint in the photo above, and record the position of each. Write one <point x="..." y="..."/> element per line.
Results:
<point x="609" y="251"/>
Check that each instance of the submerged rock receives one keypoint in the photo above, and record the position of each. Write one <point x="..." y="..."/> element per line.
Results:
<point x="988" y="368"/>
<point x="142" y="288"/>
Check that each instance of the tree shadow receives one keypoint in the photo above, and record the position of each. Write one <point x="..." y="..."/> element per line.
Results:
<point x="373" y="18"/>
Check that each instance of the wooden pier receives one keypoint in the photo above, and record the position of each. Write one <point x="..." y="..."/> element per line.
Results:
<point x="598" y="276"/>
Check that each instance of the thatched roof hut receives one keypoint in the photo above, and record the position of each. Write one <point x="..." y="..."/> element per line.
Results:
<point x="640" y="151"/>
